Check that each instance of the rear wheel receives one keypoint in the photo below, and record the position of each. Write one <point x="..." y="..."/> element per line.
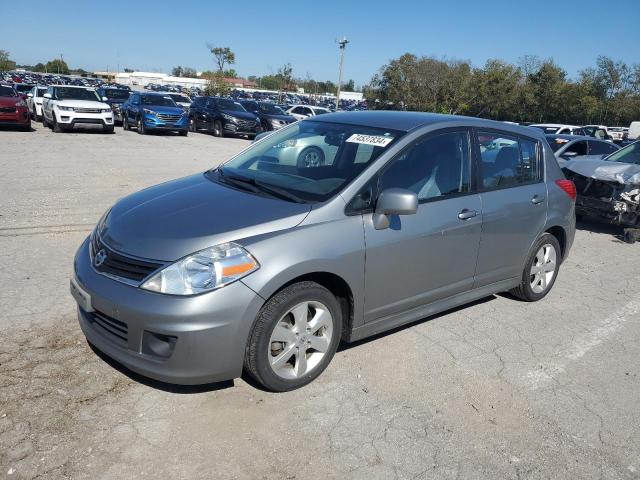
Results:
<point x="294" y="338"/>
<point x="541" y="269"/>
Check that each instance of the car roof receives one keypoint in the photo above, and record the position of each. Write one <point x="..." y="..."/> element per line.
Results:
<point x="407" y="121"/>
<point x="571" y="137"/>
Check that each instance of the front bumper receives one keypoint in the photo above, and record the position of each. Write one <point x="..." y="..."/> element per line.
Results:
<point x="153" y="122"/>
<point x="67" y="118"/>
<point x="235" y="128"/>
<point x="20" y="116"/>
<point x="204" y="335"/>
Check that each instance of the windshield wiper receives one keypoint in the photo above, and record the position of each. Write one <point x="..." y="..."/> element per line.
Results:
<point x="258" y="186"/>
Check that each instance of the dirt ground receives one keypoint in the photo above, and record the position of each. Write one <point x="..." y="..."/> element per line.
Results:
<point x="498" y="389"/>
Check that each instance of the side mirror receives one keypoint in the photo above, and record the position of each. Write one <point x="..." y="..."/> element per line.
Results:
<point x="105" y="99"/>
<point x="47" y="95"/>
<point x="394" y="201"/>
<point x="569" y="154"/>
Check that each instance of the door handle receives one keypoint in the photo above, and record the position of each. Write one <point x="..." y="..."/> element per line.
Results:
<point x="467" y="214"/>
<point x="537" y="199"/>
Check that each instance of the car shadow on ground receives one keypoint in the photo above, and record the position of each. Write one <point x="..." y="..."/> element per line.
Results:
<point x="165" y="387"/>
<point x="15" y="128"/>
<point x="616" y="231"/>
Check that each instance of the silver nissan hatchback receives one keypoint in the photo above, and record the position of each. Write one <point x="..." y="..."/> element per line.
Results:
<point x="264" y="264"/>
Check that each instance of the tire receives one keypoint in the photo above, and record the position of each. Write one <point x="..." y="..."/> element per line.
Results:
<point x="34" y="115"/>
<point x="45" y="122"/>
<point x="316" y="306"/>
<point x="532" y="289"/>
<point x="310" y="157"/>
<point x="107" y="129"/>
<point x="183" y="133"/>
<point x="56" y="126"/>
<point x="217" y="129"/>
<point x="192" y="125"/>
<point x="140" y="126"/>
<point x="125" y="123"/>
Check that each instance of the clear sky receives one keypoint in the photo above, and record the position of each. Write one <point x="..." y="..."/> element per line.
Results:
<point x="158" y="35"/>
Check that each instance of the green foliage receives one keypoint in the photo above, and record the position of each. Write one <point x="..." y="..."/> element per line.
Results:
<point x="5" y="62"/>
<point x="535" y="90"/>
<point x="57" y="66"/>
<point x="184" y="72"/>
<point x="216" y="86"/>
<point x="223" y="56"/>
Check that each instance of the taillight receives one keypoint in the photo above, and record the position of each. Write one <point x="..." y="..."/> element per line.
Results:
<point x="568" y="186"/>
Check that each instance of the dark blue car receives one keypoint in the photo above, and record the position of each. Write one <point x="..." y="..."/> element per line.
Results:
<point x="154" y="111"/>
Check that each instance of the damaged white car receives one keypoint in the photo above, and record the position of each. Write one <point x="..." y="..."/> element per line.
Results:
<point x="609" y="189"/>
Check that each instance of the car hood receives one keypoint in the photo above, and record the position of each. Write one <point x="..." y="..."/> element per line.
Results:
<point x="242" y="115"/>
<point x="624" y="173"/>
<point x="284" y="118"/>
<point x="9" y="101"/>
<point x="174" y="219"/>
<point x="164" y="109"/>
<point x="82" y="104"/>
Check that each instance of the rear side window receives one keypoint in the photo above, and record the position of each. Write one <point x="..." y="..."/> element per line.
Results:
<point x="601" y="148"/>
<point x="508" y="161"/>
<point x="434" y="167"/>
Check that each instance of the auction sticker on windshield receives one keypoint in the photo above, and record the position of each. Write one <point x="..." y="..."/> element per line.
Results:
<point x="375" y="140"/>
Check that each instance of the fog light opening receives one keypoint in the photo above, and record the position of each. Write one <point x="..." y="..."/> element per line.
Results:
<point x="157" y="344"/>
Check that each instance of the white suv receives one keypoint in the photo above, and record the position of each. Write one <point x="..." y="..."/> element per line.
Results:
<point x="34" y="102"/>
<point x="65" y="106"/>
<point x="300" y="112"/>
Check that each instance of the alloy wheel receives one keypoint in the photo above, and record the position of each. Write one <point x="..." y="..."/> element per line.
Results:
<point x="300" y="340"/>
<point x="543" y="268"/>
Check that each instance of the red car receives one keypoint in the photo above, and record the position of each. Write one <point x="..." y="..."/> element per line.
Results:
<point x="13" y="109"/>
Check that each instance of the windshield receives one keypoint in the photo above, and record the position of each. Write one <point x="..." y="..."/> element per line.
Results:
<point x="628" y="154"/>
<point x="311" y="160"/>
<point x="180" y="98"/>
<point x="159" y="100"/>
<point x="69" y="93"/>
<point x="6" y="91"/>
<point x="230" y="105"/>
<point x="270" y="108"/>
<point x="116" y="94"/>
<point x="23" y="88"/>
<point x="250" y="106"/>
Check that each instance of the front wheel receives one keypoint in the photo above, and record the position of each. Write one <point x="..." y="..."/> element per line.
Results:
<point x="183" y="133"/>
<point x="217" y="129"/>
<point x="310" y="157"/>
<point x="294" y="338"/>
<point x="140" y="127"/>
<point x="107" y="128"/>
<point x="125" y="123"/>
<point x="541" y="269"/>
<point x="57" y="128"/>
<point x="192" y="125"/>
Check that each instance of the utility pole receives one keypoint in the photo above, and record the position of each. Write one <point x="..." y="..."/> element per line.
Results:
<point x="342" y="44"/>
<point x="61" y="61"/>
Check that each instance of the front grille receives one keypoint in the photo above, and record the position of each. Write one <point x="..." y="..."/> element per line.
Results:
<point x="109" y="327"/>
<point x="121" y="265"/>
<point x="88" y="110"/>
<point x="7" y="110"/>
<point x="246" y="124"/>
<point x="165" y="117"/>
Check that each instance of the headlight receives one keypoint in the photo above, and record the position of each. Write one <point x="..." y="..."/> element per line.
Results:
<point x="65" y="109"/>
<point x="150" y="112"/>
<point x="21" y="103"/>
<point x="106" y="110"/>
<point x="287" y="143"/>
<point x="203" y="271"/>
<point x="228" y="117"/>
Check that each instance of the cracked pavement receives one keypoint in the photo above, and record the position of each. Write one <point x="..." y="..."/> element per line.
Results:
<point x="496" y="389"/>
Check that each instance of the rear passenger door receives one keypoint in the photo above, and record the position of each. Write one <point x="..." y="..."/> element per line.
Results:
<point x="514" y="203"/>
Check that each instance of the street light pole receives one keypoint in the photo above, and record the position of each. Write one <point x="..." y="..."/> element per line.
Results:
<point x="343" y="44"/>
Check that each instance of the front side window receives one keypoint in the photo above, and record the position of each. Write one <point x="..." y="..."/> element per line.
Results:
<point x="508" y="161"/>
<point x="310" y="160"/>
<point x="434" y="167"/>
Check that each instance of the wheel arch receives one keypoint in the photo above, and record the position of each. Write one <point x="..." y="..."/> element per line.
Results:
<point x="561" y="235"/>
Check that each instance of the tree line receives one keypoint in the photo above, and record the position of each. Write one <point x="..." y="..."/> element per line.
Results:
<point x="533" y="90"/>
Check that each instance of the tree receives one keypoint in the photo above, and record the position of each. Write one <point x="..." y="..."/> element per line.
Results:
<point x="350" y="86"/>
<point x="231" y="73"/>
<point x="6" y="63"/>
<point x="285" y="74"/>
<point x="57" y="66"/>
<point x="223" y="56"/>
<point x="217" y="86"/>
<point x="186" y="72"/>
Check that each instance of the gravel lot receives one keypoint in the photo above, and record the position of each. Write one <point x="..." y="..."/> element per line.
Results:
<point x="499" y="389"/>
